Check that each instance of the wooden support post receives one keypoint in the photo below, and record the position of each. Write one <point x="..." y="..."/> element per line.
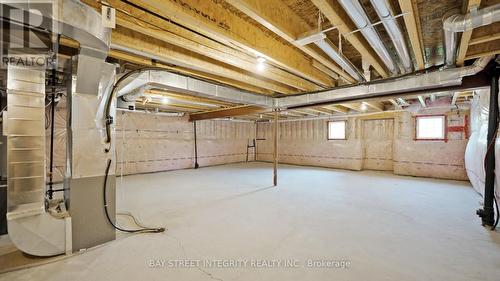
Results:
<point x="275" y="154"/>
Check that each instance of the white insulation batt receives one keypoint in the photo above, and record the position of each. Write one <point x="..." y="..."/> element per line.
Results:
<point x="477" y="146"/>
<point x="373" y="144"/>
<point x="151" y="142"/>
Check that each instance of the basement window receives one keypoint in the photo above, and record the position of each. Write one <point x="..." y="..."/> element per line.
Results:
<point x="337" y="130"/>
<point x="431" y="127"/>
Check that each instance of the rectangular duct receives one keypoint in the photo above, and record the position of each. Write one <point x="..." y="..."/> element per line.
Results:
<point x="26" y="137"/>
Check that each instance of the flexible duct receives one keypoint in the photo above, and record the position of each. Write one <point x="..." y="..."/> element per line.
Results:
<point x="462" y="23"/>
<point x="359" y="17"/>
<point x="390" y="24"/>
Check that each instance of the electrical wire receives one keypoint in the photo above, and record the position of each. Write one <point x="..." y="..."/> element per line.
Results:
<point x="140" y="230"/>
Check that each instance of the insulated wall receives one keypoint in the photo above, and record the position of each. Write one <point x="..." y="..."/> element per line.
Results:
<point x="149" y="142"/>
<point x="386" y="143"/>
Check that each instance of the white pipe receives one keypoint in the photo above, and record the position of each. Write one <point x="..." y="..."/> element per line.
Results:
<point x="390" y="24"/>
<point x="358" y="16"/>
<point x="319" y="39"/>
<point x="462" y="23"/>
<point x="339" y="59"/>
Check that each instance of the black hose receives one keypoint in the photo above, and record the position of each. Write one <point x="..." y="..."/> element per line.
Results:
<point x="141" y="230"/>
<point x="109" y="118"/>
<point x="498" y="214"/>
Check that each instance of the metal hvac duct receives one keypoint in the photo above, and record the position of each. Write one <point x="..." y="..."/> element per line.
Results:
<point x="461" y="23"/>
<point x="359" y="17"/>
<point x="333" y="53"/>
<point x="135" y="86"/>
<point x="390" y="24"/>
<point x="427" y="81"/>
<point x="320" y="40"/>
<point x="31" y="228"/>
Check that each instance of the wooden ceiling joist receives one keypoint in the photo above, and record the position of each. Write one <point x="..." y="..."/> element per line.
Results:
<point x="134" y="18"/>
<point x="421" y="99"/>
<point x="337" y="108"/>
<point x="279" y="18"/>
<point x="212" y="20"/>
<point x="378" y="106"/>
<point x="324" y="110"/>
<point x="337" y="17"/>
<point x="184" y="97"/>
<point x="484" y="39"/>
<point x="466" y="36"/>
<point x="228" y="112"/>
<point x="408" y="7"/>
<point x="170" y="54"/>
<point x="141" y="61"/>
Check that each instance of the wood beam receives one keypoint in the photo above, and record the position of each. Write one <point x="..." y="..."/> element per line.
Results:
<point x="133" y="18"/>
<point x="355" y="107"/>
<point x="325" y="69"/>
<point x="375" y="105"/>
<point x="304" y="111"/>
<point x="142" y="61"/>
<point x="171" y="54"/>
<point x="465" y="38"/>
<point x="455" y="97"/>
<point x="421" y="99"/>
<point x="213" y="20"/>
<point x="180" y="105"/>
<point x="337" y="17"/>
<point x="337" y="108"/>
<point x="279" y="18"/>
<point x="495" y="51"/>
<point x="228" y="112"/>
<point x="275" y="147"/>
<point x="484" y="39"/>
<point x="413" y="26"/>
<point x="184" y="97"/>
<point x="395" y="103"/>
<point x="324" y="110"/>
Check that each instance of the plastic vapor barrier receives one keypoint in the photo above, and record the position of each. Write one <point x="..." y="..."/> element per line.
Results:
<point x="477" y="146"/>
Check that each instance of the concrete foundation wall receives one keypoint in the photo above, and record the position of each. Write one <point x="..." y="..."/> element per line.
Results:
<point x="376" y="144"/>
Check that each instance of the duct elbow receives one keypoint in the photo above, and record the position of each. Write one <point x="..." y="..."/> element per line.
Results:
<point x="37" y="233"/>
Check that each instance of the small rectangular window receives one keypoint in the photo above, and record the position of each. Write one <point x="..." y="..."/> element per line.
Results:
<point x="336" y="130"/>
<point x="430" y="127"/>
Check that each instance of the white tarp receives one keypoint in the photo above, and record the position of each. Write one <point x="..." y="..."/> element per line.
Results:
<point x="477" y="146"/>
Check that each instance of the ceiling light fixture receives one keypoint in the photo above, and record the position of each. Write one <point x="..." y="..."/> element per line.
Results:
<point x="261" y="63"/>
<point x="364" y="107"/>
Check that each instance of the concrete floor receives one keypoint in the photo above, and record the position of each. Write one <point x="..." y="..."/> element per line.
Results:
<point x="386" y="227"/>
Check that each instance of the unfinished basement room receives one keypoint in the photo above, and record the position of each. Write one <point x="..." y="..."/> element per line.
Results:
<point x="245" y="140"/>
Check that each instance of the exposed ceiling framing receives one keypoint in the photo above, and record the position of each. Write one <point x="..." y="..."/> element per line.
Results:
<point x="252" y="45"/>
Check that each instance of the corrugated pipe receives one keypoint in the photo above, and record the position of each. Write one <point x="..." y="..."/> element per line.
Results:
<point x="390" y="24"/>
<point x="462" y="23"/>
